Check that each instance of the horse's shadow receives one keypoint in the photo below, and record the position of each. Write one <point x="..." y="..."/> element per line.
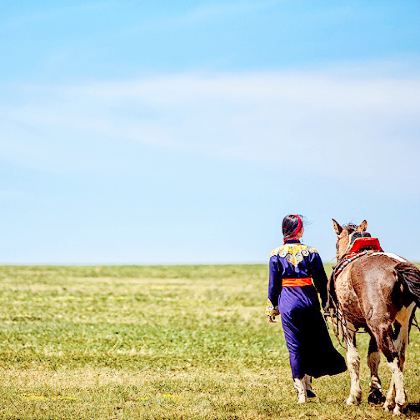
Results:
<point x="413" y="408"/>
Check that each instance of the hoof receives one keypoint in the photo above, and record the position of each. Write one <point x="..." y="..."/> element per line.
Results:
<point x="376" y="397"/>
<point x="352" y="400"/>
<point x="389" y="406"/>
<point x="397" y="410"/>
<point x="400" y="409"/>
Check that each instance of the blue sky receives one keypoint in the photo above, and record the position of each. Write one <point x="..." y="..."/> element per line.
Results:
<point x="183" y="131"/>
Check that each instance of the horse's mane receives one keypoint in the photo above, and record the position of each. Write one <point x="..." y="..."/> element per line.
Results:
<point x="351" y="227"/>
<point x="353" y="233"/>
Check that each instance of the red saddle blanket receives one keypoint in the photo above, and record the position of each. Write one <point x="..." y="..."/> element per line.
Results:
<point x="363" y="244"/>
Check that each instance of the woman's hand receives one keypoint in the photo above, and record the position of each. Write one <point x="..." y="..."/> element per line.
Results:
<point x="271" y="311"/>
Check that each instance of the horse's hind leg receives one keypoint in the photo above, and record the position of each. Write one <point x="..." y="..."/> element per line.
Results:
<point x="400" y="340"/>
<point x="395" y="398"/>
<point x="390" y="396"/>
<point x="376" y="396"/>
<point x="397" y="387"/>
<point x="353" y="364"/>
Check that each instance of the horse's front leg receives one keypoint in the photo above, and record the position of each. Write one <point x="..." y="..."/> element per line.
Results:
<point x="353" y="365"/>
<point x="376" y="396"/>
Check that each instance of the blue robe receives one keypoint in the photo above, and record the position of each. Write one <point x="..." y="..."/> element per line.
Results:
<point x="310" y="348"/>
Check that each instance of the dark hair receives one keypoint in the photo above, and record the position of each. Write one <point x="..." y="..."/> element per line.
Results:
<point x="290" y="225"/>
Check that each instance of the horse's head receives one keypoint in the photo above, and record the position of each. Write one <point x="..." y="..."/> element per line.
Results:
<point x="344" y="235"/>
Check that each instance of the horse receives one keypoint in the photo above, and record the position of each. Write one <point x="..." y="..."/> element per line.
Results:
<point x="377" y="291"/>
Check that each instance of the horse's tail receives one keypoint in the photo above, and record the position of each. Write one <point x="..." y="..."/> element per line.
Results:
<point x="409" y="275"/>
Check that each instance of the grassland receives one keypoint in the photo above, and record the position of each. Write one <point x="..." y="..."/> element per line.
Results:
<point x="156" y="342"/>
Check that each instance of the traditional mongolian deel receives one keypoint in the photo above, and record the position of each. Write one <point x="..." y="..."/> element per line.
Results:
<point x="296" y="274"/>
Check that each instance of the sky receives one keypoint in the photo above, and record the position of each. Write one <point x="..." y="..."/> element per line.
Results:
<point x="184" y="131"/>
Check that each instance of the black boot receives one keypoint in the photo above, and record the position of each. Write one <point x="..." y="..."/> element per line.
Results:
<point x="308" y="385"/>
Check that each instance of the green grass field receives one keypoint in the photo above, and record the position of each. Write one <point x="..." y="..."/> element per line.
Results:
<point x="157" y="342"/>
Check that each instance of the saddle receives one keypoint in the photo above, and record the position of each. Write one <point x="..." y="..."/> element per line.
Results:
<point x="361" y="243"/>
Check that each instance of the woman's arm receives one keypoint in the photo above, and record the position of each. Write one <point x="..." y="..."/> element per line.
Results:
<point x="274" y="288"/>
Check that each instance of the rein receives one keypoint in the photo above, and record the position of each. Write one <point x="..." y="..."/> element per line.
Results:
<point x="339" y="327"/>
<point x="415" y="322"/>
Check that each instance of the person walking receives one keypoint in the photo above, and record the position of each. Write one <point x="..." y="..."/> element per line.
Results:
<point x="296" y="277"/>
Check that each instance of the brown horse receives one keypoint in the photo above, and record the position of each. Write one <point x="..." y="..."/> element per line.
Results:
<point x="379" y="292"/>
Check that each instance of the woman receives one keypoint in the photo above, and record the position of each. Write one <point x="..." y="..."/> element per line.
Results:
<point x="296" y="275"/>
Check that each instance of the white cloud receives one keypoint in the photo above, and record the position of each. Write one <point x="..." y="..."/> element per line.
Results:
<point x="341" y="127"/>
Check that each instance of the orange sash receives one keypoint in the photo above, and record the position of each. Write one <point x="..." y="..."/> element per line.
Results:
<point x="304" y="281"/>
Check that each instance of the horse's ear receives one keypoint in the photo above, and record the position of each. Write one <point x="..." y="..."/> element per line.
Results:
<point x="363" y="226"/>
<point x="337" y="228"/>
